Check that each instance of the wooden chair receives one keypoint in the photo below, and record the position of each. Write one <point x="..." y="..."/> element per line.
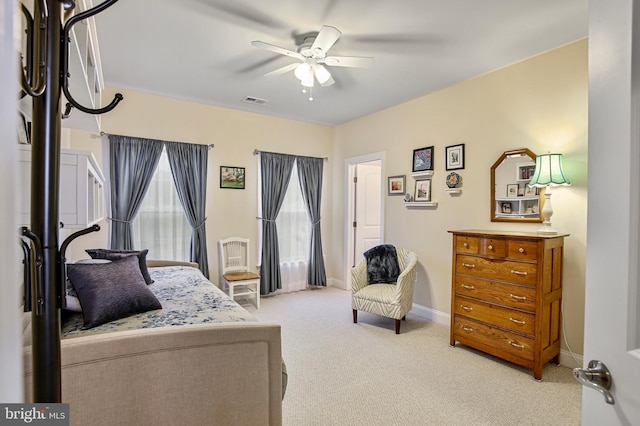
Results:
<point x="235" y="276"/>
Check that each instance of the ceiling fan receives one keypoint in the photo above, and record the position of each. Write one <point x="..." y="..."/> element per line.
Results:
<point x="312" y="54"/>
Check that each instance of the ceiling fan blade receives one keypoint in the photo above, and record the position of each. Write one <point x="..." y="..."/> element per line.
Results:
<point x="349" y="61"/>
<point x="326" y="38"/>
<point x="282" y="70"/>
<point x="276" y="49"/>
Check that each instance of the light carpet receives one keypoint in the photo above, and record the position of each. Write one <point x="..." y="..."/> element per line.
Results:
<point x="342" y="373"/>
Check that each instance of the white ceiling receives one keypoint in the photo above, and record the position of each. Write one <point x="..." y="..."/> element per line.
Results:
<point x="200" y="50"/>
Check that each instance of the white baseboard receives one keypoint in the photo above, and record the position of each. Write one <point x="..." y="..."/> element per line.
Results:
<point x="431" y="314"/>
<point x="334" y="282"/>
<point x="568" y="361"/>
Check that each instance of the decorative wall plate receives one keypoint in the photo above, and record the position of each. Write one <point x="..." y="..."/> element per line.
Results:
<point x="454" y="180"/>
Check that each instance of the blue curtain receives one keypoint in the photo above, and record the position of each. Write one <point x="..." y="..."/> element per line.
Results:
<point x="275" y="172"/>
<point x="189" y="169"/>
<point x="310" y="177"/>
<point x="132" y="162"/>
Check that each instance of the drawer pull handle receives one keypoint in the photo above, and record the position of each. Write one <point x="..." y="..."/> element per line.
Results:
<point x="490" y="247"/>
<point x="513" y="296"/>
<point x="517" y="321"/>
<point x="466" y="308"/>
<point x="467" y="328"/>
<point x="521" y="250"/>
<point x="465" y="245"/>
<point x="524" y="274"/>
<point x="516" y="345"/>
<point x="470" y="265"/>
<point x="468" y="287"/>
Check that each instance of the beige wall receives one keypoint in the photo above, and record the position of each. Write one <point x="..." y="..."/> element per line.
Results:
<point x="235" y="134"/>
<point x="539" y="103"/>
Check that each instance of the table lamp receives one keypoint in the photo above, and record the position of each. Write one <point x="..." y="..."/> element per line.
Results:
<point x="548" y="173"/>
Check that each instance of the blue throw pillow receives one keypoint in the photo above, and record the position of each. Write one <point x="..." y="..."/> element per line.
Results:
<point x="382" y="264"/>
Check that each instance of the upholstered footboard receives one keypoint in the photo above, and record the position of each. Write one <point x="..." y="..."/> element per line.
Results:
<point x="225" y="373"/>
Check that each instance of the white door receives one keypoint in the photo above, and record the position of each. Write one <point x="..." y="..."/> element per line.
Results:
<point x="612" y="312"/>
<point x="367" y="199"/>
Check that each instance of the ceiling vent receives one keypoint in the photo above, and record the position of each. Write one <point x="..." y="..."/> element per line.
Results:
<point x="253" y="100"/>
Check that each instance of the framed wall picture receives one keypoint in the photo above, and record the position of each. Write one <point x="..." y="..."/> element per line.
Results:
<point x="232" y="177"/>
<point x="512" y="190"/>
<point x="423" y="190"/>
<point x="455" y="157"/>
<point x="396" y="185"/>
<point x="422" y="159"/>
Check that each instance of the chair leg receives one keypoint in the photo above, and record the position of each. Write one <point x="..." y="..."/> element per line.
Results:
<point x="397" y="326"/>
<point x="258" y="295"/>
<point x="355" y="316"/>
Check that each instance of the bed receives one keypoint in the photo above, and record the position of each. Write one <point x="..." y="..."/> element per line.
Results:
<point x="201" y="359"/>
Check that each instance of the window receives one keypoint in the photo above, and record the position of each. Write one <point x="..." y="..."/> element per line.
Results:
<point x="294" y="227"/>
<point x="161" y="225"/>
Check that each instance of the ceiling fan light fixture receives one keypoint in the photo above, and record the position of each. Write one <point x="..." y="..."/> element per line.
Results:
<point x="321" y="74"/>
<point x="308" y="81"/>
<point x="303" y="71"/>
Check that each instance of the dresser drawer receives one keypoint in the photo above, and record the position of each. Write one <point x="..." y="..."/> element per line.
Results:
<point x="466" y="330"/>
<point x="495" y="292"/>
<point x="522" y="250"/>
<point x="493" y="247"/>
<point x="495" y="315"/>
<point x="467" y="245"/>
<point x="496" y="269"/>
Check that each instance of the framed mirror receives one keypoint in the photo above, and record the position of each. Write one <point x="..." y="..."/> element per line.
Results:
<point x="512" y="200"/>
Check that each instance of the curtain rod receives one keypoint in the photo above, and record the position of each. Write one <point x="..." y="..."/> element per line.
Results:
<point x="257" y="151"/>
<point x="211" y="146"/>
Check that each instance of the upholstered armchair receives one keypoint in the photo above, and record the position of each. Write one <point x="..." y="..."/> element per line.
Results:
<point x="392" y="299"/>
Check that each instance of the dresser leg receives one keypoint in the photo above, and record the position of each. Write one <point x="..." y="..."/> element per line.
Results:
<point x="537" y="373"/>
<point x="355" y="316"/>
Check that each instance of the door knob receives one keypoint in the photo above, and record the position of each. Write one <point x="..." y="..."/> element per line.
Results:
<point x="596" y="376"/>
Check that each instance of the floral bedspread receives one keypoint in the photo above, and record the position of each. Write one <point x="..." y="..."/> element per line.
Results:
<point x="187" y="297"/>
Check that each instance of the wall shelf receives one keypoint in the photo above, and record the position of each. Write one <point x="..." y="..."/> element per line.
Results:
<point x="420" y="204"/>
<point x="425" y="174"/>
<point x="454" y="191"/>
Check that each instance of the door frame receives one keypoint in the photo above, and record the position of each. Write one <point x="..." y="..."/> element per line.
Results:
<point x="350" y="164"/>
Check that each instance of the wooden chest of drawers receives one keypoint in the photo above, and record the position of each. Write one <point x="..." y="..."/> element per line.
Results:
<point x="506" y="292"/>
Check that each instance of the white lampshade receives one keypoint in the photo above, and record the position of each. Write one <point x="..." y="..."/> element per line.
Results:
<point x="549" y="171"/>
<point x="303" y="71"/>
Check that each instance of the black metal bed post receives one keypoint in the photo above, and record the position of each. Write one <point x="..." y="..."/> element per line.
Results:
<point x="45" y="177"/>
